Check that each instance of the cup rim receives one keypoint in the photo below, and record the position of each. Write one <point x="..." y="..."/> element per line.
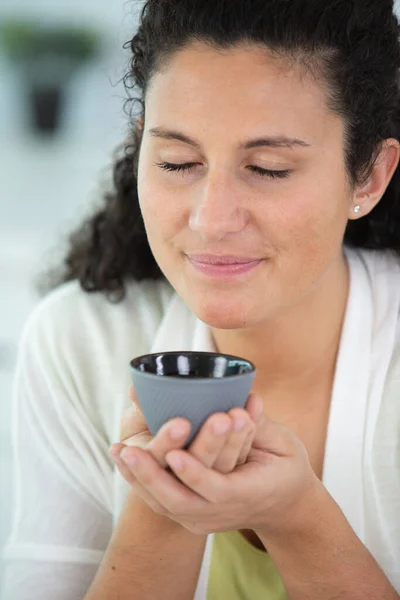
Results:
<point x="191" y="352"/>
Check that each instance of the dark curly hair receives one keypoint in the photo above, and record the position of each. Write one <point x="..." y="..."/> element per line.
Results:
<point x="350" y="45"/>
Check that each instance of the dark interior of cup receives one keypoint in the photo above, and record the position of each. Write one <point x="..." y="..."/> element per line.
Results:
<point x="192" y="364"/>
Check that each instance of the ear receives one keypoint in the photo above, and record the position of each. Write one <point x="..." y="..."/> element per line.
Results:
<point x="368" y="196"/>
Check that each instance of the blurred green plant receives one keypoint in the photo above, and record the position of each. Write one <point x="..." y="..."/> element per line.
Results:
<point x="25" y="41"/>
<point x="47" y="56"/>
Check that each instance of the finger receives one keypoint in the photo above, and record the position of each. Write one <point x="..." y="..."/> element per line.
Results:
<point x="243" y="426"/>
<point x="275" y="438"/>
<point x="244" y="453"/>
<point x="163" y="486"/>
<point x="134" y="398"/>
<point x="254" y="407"/>
<point x="132" y="423"/>
<point x="132" y="419"/>
<point x="206" y="483"/>
<point x="211" y="439"/>
<point x="129" y="478"/>
<point x="172" y="435"/>
<point x="115" y="451"/>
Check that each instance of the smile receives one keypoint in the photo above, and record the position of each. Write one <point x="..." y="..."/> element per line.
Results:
<point x="223" y="267"/>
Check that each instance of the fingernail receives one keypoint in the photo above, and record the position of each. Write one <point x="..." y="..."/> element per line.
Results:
<point x="177" y="431"/>
<point x="220" y="428"/>
<point x="128" y="458"/>
<point x="239" y="424"/>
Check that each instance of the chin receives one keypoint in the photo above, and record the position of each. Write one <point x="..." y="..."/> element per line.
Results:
<point x="220" y="316"/>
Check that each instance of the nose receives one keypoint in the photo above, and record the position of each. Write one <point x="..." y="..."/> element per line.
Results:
<point x="218" y="210"/>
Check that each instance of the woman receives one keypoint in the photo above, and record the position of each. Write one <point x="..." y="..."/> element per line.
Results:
<point x="256" y="213"/>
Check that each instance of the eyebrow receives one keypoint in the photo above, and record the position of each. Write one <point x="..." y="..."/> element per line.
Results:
<point x="275" y="141"/>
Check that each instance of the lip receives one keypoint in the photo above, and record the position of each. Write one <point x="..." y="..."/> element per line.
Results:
<point x="223" y="267"/>
<point x="221" y="259"/>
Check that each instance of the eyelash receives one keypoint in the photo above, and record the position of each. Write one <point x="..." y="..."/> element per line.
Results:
<point x="189" y="166"/>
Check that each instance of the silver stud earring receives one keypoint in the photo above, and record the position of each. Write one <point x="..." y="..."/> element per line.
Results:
<point x="357" y="208"/>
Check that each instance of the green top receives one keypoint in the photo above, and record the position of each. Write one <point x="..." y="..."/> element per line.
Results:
<point x="240" y="571"/>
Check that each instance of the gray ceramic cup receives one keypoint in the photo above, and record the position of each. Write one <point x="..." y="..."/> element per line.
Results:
<point x="192" y="385"/>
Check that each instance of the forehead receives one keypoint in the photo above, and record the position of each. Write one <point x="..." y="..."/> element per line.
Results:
<point x="245" y="86"/>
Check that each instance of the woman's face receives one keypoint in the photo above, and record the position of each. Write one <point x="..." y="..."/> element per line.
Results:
<point x="276" y="208"/>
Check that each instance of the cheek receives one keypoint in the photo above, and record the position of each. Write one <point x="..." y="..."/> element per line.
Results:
<point x="310" y="227"/>
<point x="312" y="218"/>
<point x="156" y="207"/>
<point x="164" y="220"/>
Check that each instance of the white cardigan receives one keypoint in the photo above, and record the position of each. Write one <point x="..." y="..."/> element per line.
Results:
<point x="71" y="388"/>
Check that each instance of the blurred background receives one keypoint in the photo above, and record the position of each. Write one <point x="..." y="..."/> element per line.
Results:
<point x="61" y="118"/>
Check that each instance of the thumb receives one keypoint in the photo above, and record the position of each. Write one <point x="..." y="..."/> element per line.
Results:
<point x="254" y="407"/>
<point x="132" y="420"/>
<point x="134" y="399"/>
<point x="274" y="437"/>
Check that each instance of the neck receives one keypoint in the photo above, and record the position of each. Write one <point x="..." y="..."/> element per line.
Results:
<point x="298" y="348"/>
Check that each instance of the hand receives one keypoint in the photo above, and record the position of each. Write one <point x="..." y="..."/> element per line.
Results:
<point x="271" y="493"/>
<point x="223" y="442"/>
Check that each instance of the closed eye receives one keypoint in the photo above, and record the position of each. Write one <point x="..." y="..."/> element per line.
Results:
<point x="187" y="167"/>
<point x="269" y="173"/>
